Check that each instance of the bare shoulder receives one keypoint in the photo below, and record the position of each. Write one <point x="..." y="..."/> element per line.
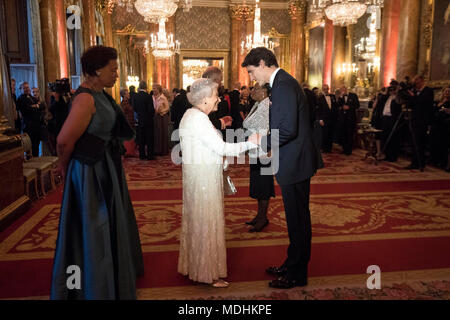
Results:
<point x="84" y="102"/>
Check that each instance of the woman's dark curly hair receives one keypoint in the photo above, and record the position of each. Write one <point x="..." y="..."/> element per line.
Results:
<point x="97" y="57"/>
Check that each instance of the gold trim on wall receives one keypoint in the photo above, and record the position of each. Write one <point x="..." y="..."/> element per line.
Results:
<point x="427" y="29"/>
<point x="205" y="54"/>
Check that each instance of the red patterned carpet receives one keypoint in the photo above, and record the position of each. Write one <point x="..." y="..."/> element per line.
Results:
<point x="362" y="215"/>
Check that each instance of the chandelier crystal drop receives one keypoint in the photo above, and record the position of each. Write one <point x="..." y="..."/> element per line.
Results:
<point x="343" y="12"/>
<point x="154" y="10"/>
<point x="162" y="44"/>
<point x="257" y="39"/>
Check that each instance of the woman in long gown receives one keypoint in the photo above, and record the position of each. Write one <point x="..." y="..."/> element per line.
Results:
<point x="202" y="253"/>
<point x="161" y="122"/>
<point x="98" y="240"/>
<point x="128" y="111"/>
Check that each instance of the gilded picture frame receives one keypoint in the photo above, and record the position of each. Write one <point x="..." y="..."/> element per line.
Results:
<point x="307" y="28"/>
<point x="205" y="54"/>
<point x="432" y="28"/>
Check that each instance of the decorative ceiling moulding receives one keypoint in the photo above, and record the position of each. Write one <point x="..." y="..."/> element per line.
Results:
<point x="225" y="4"/>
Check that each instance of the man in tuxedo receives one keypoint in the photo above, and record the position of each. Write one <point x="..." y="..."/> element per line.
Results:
<point x="328" y="114"/>
<point x="298" y="161"/>
<point x="421" y="104"/>
<point x="17" y="115"/>
<point x="220" y="118"/>
<point x="348" y="103"/>
<point x="235" y="101"/>
<point x="390" y="111"/>
<point x="143" y="106"/>
<point x="33" y="115"/>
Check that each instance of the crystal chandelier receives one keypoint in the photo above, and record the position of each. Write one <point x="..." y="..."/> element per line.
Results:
<point x="132" y="81"/>
<point x="152" y="10"/>
<point x="343" y="12"/>
<point x="162" y="44"/>
<point x="257" y="39"/>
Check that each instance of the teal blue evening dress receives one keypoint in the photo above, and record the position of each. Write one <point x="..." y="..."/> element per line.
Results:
<point x="97" y="229"/>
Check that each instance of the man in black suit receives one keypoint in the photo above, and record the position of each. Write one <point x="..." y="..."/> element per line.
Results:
<point x="421" y="104"/>
<point x="298" y="160"/>
<point x="390" y="110"/>
<point x="328" y="114"/>
<point x="235" y="101"/>
<point x="143" y="106"/>
<point x="33" y="115"/>
<point x="220" y="118"/>
<point x="348" y="103"/>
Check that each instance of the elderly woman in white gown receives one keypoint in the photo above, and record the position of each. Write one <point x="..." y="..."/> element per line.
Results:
<point x="202" y="253"/>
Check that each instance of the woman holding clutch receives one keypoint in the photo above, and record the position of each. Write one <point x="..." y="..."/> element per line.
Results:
<point x="261" y="185"/>
<point x="202" y="241"/>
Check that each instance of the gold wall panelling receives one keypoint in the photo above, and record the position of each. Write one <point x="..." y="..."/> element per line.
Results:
<point x="282" y="48"/>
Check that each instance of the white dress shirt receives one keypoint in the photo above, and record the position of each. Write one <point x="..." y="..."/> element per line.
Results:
<point x="272" y="77"/>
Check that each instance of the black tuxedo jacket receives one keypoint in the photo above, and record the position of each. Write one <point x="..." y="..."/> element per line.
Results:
<point x="352" y="102"/>
<point x="326" y="113"/>
<point x="298" y="156"/>
<point x="222" y="111"/>
<point x="32" y="117"/>
<point x="235" y="109"/>
<point x="422" y="106"/>
<point x="143" y="106"/>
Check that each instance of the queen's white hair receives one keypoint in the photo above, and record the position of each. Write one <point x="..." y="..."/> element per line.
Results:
<point x="201" y="89"/>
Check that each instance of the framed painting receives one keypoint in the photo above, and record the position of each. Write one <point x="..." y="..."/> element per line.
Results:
<point x="438" y="43"/>
<point x="315" y="44"/>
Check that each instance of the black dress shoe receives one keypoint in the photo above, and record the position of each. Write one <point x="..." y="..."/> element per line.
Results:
<point x="151" y="158"/>
<point x="251" y="222"/>
<point x="285" y="283"/>
<point x="259" y="226"/>
<point x="276" y="271"/>
<point x="411" y="167"/>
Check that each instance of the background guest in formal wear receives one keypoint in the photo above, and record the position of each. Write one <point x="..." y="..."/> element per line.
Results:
<point x="143" y="106"/>
<point x="179" y="107"/>
<point x="421" y="103"/>
<point x="235" y="101"/>
<point x="391" y="109"/>
<point x="33" y="114"/>
<point x="348" y="103"/>
<point x="329" y="114"/>
<point x="48" y="147"/>
<point x="375" y="118"/>
<point x="128" y="111"/>
<point x="202" y="254"/>
<point x="17" y="114"/>
<point x="161" y="137"/>
<point x="298" y="160"/>
<point x="440" y="131"/>
<point x="97" y="227"/>
<point x="261" y="185"/>
<point x="220" y="118"/>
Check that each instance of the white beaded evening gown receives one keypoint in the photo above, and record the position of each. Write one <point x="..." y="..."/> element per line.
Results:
<point x="202" y="253"/>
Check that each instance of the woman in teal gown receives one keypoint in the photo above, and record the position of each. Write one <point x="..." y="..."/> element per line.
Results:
<point x="98" y="252"/>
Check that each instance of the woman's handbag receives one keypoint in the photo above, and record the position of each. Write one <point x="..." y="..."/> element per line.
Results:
<point x="228" y="186"/>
